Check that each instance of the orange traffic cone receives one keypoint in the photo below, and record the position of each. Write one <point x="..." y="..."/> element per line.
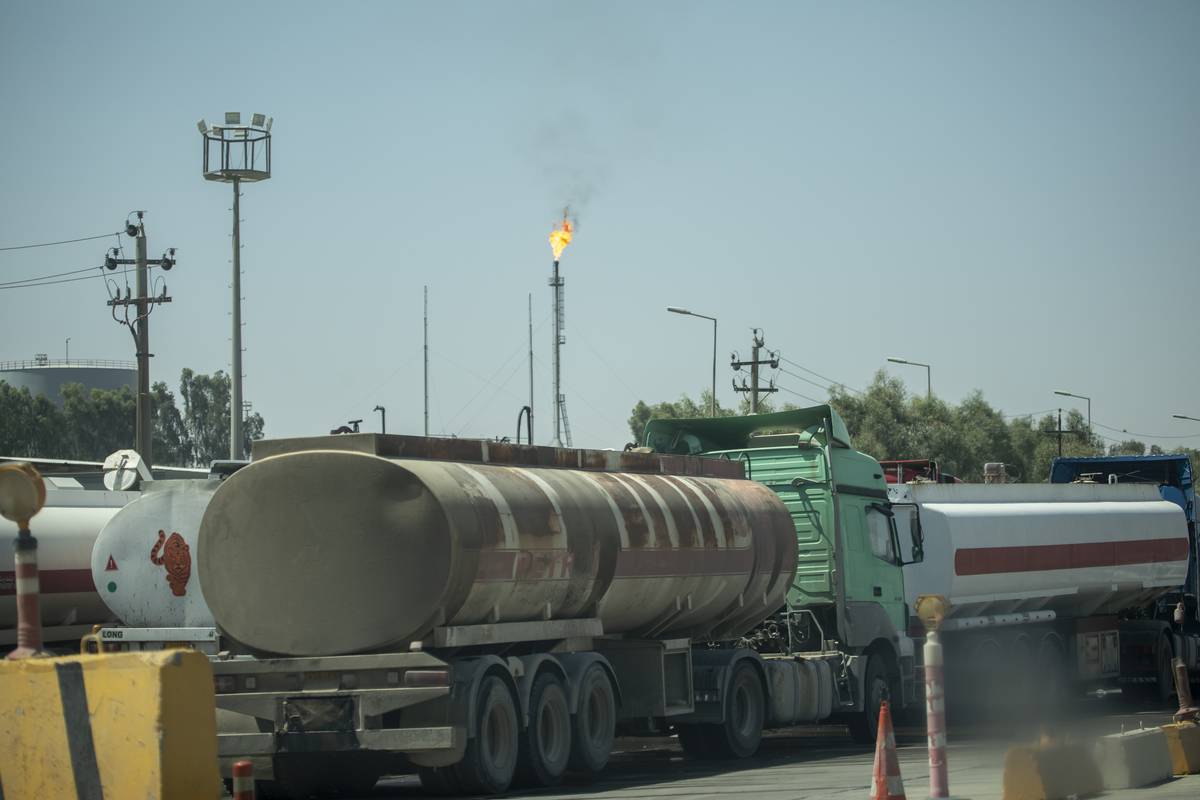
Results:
<point x="887" y="784"/>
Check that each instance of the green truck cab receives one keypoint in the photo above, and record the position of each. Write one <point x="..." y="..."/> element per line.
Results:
<point x="847" y="594"/>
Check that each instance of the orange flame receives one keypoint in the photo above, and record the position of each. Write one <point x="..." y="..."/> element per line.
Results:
<point x="560" y="237"/>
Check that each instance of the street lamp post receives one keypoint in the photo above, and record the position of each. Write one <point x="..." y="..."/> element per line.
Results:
<point x="1081" y="397"/>
<point x="712" y="398"/>
<point x="68" y="356"/>
<point x="928" y="377"/>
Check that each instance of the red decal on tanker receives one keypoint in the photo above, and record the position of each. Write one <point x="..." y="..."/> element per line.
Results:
<point x="1046" y="557"/>
<point x="177" y="558"/>
<point x="111" y="566"/>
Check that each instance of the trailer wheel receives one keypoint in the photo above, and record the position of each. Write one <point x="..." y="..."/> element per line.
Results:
<point x="490" y="759"/>
<point x="864" y="725"/>
<point x="594" y="726"/>
<point x="546" y="745"/>
<point x="741" y="733"/>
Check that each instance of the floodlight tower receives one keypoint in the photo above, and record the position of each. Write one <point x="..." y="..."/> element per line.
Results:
<point x="234" y="153"/>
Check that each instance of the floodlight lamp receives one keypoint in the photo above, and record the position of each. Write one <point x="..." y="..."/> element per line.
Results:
<point x="258" y="119"/>
<point x="233" y="118"/>
<point x="218" y="132"/>
<point x="267" y="127"/>
<point x="203" y="126"/>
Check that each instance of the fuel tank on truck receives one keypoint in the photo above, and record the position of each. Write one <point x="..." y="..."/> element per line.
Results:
<point x="144" y="560"/>
<point x="65" y="530"/>
<point x="1076" y="549"/>
<point x="325" y="552"/>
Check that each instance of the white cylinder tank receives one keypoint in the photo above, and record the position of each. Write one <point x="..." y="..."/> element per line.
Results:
<point x="1076" y="549"/>
<point x="144" y="560"/>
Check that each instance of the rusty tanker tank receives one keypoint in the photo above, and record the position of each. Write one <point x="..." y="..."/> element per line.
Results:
<point x="328" y="552"/>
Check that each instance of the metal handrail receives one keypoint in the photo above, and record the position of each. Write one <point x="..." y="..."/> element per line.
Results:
<point x="68" y="362"/>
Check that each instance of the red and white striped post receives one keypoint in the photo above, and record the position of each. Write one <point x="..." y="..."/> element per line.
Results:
<point x="932" y="609"/>
<point x="243" y="780"/>
<point x="935" y="716"/>
<point x="22" y="495"/>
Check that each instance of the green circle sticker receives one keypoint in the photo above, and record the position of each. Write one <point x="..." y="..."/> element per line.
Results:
<point x="112" y="586"/>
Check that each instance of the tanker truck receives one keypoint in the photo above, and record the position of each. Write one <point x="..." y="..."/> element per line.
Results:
<point x="484" y="613"/>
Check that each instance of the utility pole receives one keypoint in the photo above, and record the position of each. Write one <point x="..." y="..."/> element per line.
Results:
<point x="426" y="360"/>
<point x="758" y="343"/>
<point x="530" y="421"/>
<point x="139" y="326"/>
<point x="1059" y="433"/>
<point x="235" y="386"/>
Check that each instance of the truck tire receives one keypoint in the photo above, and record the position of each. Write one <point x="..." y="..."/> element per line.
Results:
<point x="864" y="725"/>
<point x="546" y="745"/>
<point x="741" y="733"/>
<point x="490" y="760"/>
<point x="594" y="725"/>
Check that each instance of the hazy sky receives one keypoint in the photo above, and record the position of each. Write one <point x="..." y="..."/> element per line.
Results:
<point x="1008" y="191"/>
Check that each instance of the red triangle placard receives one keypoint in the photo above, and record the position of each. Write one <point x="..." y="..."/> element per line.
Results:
<point x="111" y="566"/>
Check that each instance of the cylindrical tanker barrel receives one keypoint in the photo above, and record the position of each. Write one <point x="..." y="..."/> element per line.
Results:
<point x="65" y="529"/>
<point x="143" y="561"/>
<point x="329" y="552"/>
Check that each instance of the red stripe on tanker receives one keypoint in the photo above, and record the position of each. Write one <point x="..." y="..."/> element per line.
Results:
<point x="989" y="560"/>
<point x="327" y="552"/>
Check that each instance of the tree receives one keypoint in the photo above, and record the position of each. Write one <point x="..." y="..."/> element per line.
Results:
<point x="97" y="421"/>
<point x="889" y="423"/>
<point x="683" y="408"/>
<point x="206" y="416"/>
<point x="94" y="423"/>
<point x="1129" y="447"/>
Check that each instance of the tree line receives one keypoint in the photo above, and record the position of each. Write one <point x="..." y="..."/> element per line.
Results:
<point x="888" y="422"/>
<point x="91" y="423"/>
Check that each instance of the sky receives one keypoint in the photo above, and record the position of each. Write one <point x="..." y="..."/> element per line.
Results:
<point x="1008" y="192"/>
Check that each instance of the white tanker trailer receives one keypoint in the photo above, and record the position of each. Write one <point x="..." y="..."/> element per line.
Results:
<point x="65" y="529"/>
<point x="485" y="613"/>
<point x="1039" y="572"/>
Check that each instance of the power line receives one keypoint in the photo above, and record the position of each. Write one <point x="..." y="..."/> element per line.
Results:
<point x="51" y="283"/>
<point x="819" y="375"/>
<point x="64" y="241"/>
<point x="798" y="394"/>
<point x="46" y="277"/>
<point x="1145" y="435"/>
<point x="806" y="380"/>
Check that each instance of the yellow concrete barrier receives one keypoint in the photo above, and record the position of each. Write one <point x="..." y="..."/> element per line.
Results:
<point x="1050" y="772"/>
<point x="109" y="727"/>
<point x="1183" y="741"/>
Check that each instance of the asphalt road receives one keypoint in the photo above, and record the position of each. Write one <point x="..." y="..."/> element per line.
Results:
<point x="824" y="763"/>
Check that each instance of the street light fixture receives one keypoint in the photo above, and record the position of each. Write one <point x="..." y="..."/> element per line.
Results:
<point x="928" y="377"/>
<point x="1185" y="416"/>
<point x="712" y="398"/>
<point x="1081" y="397"/>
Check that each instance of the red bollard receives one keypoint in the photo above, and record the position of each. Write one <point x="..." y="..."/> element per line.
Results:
<point x="243" y="780"/>
<point x="22" y="495"/>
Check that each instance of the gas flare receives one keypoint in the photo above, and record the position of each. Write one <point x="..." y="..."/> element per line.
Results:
<point x="560" y="237"/>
